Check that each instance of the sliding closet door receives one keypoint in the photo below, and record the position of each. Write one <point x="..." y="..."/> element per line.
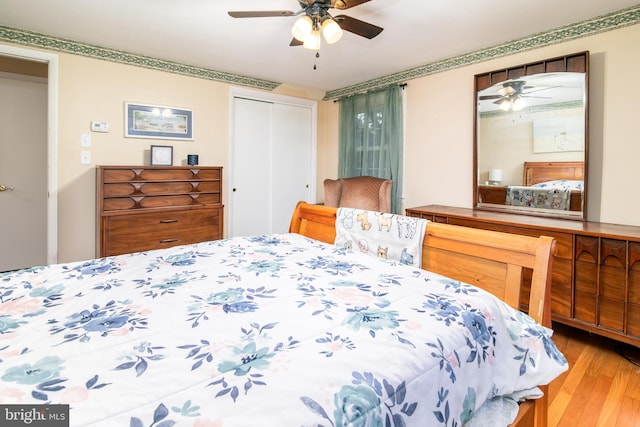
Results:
<point x="291" y="162"/>
<point x="272" y="164"/>
<point x="250" y="174"/>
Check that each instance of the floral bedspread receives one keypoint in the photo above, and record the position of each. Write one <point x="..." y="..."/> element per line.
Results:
<point x="274" y="330"/>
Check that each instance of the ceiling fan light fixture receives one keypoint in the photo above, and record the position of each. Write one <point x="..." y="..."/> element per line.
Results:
<point x="518" y="104"/>
<point x="331" y="31"/>
<point x="505" y="104"/>
<point x="314" y="17"/>
<point x="302" y="28"/>
<point x="312" y="41"/>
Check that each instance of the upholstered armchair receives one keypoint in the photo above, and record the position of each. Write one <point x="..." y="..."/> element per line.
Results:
<point x="360" y="192"/>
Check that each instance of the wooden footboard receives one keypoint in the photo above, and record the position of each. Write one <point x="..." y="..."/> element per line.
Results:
<point x="490" y="260"/>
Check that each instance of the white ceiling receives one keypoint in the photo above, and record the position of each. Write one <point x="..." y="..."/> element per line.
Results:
<point x="201" y="33"/>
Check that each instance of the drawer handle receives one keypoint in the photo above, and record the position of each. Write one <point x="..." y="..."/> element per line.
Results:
<point x="168" y="240"/>
<point x="167" y="221"/>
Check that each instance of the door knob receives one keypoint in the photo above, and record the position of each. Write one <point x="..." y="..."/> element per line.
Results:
<point x="5" y="188"/>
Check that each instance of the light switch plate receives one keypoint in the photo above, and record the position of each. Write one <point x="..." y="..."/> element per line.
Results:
<point x="85" y="140"/>
<point x="85" y="157"/>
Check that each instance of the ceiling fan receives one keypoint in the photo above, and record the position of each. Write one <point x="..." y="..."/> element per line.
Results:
<point x="512" y="93"/>
<point x="316" y="19"/>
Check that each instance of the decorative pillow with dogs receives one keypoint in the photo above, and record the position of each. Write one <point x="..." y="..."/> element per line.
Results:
<point x="383" y="235"/>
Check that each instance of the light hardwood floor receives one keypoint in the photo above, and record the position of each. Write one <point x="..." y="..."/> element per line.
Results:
<point x="601" y="388"/>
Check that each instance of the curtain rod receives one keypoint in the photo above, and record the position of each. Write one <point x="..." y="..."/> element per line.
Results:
<point x="402" y="86"/>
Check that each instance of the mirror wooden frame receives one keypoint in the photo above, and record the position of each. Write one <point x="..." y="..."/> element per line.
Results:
<point x="576" y="62"/>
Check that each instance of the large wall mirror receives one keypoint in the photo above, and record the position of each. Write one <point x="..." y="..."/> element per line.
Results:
<point x="531" y="138"/>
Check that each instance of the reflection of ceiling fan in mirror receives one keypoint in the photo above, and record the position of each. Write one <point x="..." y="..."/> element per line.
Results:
<point x="512" y="94"/>
<point x="316" y="19"/>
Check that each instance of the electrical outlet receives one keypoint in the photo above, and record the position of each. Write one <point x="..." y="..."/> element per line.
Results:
<point x="85" y="157"/>
<point x="85" y="140"/>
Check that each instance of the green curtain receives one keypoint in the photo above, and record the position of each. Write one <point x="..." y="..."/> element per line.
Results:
<point x="370" y="138"/>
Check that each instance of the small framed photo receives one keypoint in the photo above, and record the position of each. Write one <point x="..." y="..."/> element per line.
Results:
<point x="161" y="155"/>
<point x="157" y="122"/>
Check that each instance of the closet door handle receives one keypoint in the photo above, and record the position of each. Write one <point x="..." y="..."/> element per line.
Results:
<point x="167" y="221"/>
<point x="168" y="240"/>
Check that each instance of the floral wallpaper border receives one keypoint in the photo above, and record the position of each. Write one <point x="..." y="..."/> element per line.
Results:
<point x="42" y="41"/>
<point x="612" y="21"/>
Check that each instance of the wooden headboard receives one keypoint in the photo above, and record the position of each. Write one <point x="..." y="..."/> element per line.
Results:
<point x="537" y="172"/>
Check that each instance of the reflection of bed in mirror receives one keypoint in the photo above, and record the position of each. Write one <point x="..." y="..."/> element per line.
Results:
<point x="541" y="182"/>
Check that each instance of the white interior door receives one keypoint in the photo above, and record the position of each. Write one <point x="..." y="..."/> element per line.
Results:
<point x="23" y="171"/>
<point x="272" y="165"/>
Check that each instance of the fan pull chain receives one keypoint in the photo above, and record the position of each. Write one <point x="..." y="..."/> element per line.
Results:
<point x="315" y="65"/>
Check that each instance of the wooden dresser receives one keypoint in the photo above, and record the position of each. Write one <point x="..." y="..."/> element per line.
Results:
<point x="141" y="208"/>
<point x="596" y="270"/>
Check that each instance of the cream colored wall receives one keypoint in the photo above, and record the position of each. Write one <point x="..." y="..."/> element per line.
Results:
<point x="439" y="129"/>
<point x="91" y="89"/>
<point x="327" y="144"/>
<point x="438" y="133"/>
<point x="96" y="90"/>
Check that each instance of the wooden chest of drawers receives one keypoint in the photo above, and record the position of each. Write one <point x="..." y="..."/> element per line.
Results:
<point x="141" y="208"/>
<point x="595" y="277"/>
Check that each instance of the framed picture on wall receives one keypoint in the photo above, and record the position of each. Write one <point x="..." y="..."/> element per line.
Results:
<point x="157" y="121"/>
<point x="161" y="155"/>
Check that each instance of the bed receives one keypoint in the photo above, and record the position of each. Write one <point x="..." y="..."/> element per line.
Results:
<point x="286" y="329"/>
<point x="545" y="185"/>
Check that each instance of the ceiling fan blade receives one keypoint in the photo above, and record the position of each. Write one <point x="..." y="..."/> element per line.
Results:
<point x="260" y="13"/>
<point x="295" y="42"/>
<point x="538" y="89"/>
<point x="357" y="26"/>
<point x="485" y="97"/>
<point x="346" y="4"/>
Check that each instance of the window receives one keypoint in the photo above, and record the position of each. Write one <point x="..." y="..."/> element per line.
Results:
<point x="371" y="154"/>
<point x="371" y="138"/>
